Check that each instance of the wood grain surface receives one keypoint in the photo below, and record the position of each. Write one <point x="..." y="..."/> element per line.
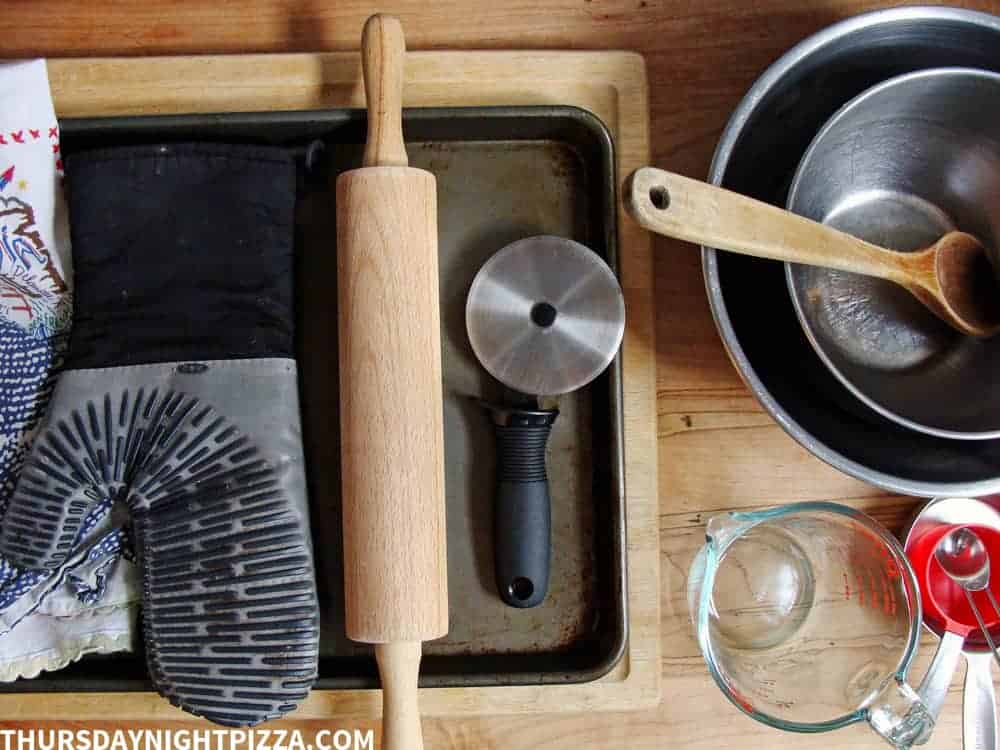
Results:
<point x="391" y="412"/>
<point x="391" y="403"/>
<point x="383" y="52"/>
<point x="717" y="448"/>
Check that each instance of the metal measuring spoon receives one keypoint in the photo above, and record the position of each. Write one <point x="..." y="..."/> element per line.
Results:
<point x="963" y="556"/>
<point x="979" y="711"/>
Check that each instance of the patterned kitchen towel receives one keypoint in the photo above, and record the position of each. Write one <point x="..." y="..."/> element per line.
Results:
<point x="50" y="618"/>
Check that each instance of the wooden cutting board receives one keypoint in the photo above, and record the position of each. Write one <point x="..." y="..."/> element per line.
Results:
<point x="613" y="86"/>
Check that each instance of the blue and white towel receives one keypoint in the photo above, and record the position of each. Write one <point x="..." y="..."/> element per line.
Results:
<point x="48" y="619"/>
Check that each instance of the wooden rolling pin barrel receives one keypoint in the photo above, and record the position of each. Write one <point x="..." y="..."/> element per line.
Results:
<point x="392" y="423"/>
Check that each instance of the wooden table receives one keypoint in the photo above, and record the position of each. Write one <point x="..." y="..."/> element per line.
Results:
<point x="717" y="448"/>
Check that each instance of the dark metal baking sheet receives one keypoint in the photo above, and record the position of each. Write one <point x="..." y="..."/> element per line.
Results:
<point x="503" y="173"/>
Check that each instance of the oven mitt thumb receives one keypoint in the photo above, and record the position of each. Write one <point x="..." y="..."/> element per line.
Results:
<point x="179" y="398"/>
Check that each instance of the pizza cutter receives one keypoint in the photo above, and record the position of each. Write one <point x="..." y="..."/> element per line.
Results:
<point x="545" y="316"/>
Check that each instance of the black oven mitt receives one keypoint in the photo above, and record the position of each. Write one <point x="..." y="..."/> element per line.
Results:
<point x="179" y="398"/>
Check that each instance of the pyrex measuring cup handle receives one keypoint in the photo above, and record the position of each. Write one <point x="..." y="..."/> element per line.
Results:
<point x="934" y="687"/>
<point x="905" y="717"/>
<point x="899" y="716"/>
<point x="979" y="704"/>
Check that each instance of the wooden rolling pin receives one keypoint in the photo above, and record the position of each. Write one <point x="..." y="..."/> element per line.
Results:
<point x="391" y="409"/>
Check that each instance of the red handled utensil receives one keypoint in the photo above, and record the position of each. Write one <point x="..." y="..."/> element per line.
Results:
<point x="947" y="614"/>
<point x="963" y="556"/>
<point x="944" y="602"/>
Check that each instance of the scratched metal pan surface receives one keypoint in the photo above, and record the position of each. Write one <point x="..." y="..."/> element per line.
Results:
<point x="900" y="165"/>
<point x="503" y="173"/>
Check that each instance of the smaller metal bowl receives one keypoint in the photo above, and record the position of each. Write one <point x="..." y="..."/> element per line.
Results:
<point x="900" y="165"/>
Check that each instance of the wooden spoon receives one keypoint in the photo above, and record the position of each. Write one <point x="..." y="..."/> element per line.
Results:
<point x="953" y="277"/>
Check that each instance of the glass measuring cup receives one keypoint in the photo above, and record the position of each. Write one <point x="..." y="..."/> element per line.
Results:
<point x="808" y="616"/>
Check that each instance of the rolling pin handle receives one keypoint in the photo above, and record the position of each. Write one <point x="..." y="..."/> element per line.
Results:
<point x="399" y="669"/>
<point x="383" y="50"/>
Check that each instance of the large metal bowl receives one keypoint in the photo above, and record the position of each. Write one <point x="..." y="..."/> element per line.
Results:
<point x="758" y="155"/>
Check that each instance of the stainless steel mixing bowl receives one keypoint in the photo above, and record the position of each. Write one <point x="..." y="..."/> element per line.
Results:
<point x="902" y="164"/>
<point x="758" y="155"/>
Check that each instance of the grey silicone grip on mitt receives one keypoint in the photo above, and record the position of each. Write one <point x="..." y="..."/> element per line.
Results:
<point x="179" y="399"/>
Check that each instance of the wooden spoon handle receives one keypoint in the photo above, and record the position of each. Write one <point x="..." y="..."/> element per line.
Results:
<point x="399" y="668"/>
<point x="687" y="209"/>
<point x="383" y="49"/>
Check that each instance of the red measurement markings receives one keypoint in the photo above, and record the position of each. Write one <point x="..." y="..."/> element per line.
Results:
<point x="892" y="573"/>
<point x="891" y="566"/>
<point x="886" y="601"/>
<point x="742" y="701"/>
<point x="867" y="581"/>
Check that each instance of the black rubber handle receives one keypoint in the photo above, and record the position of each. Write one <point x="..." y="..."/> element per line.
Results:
<point x="522" y="513"/>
